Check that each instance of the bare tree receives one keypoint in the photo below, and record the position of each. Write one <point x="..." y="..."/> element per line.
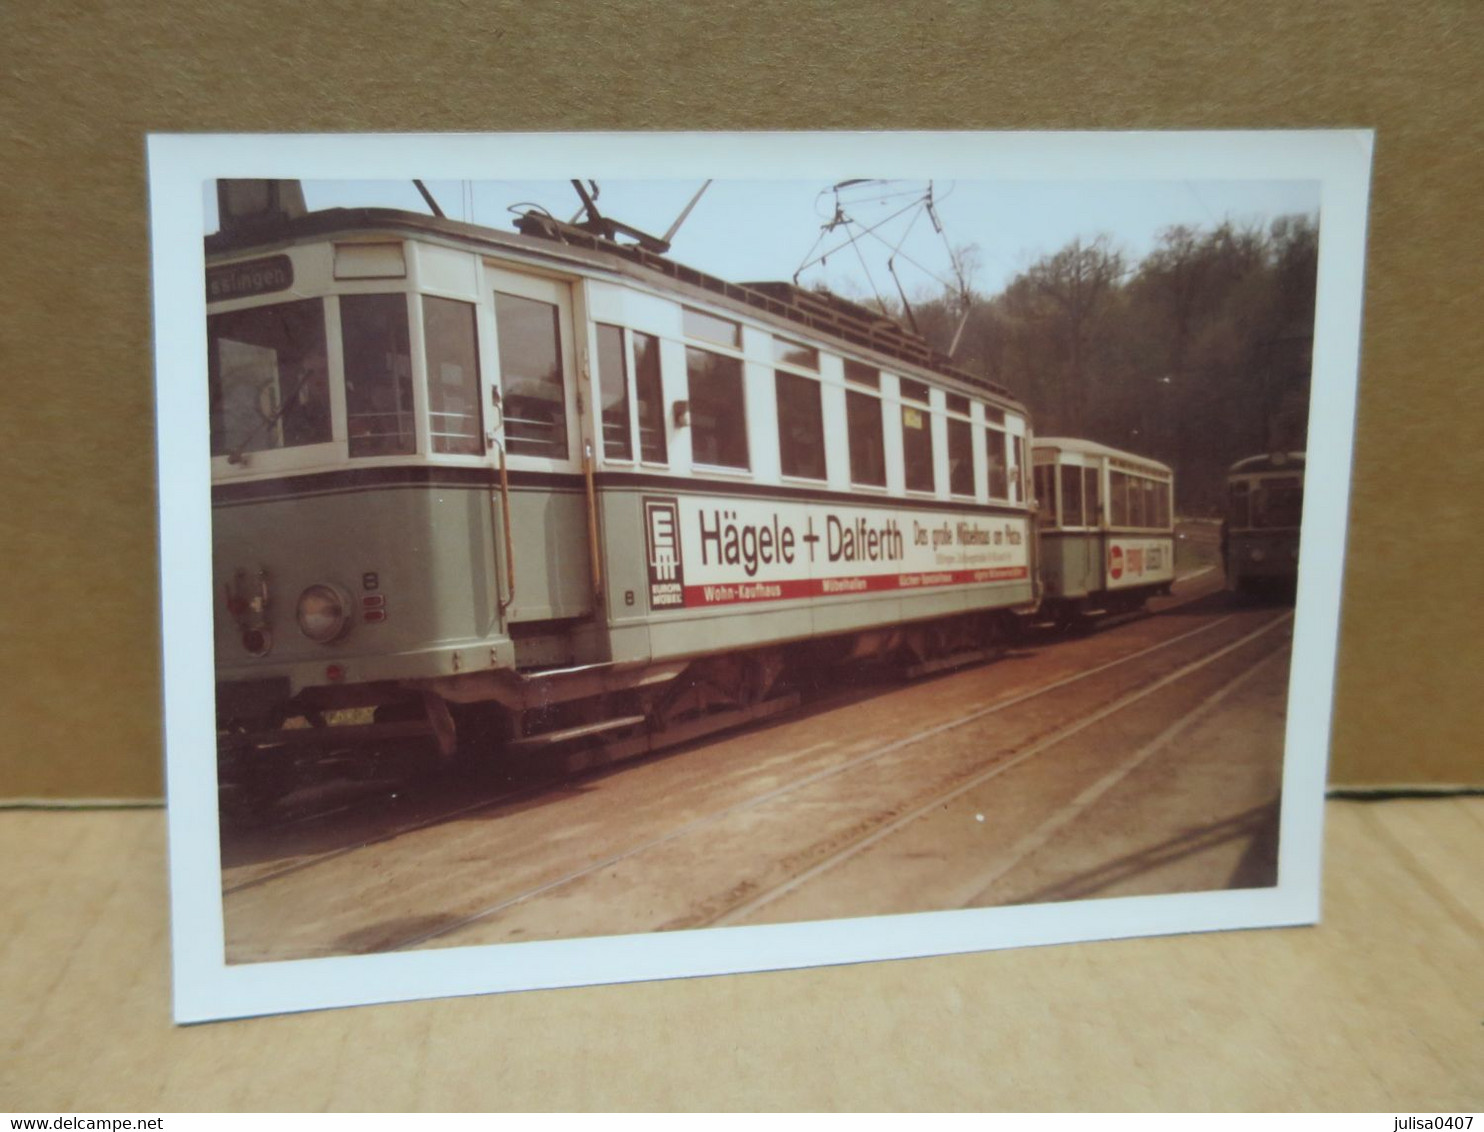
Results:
<point x="1061" y="297"/>
<point x="1198" y="356"/>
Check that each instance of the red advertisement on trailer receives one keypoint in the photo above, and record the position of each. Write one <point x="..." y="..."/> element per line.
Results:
<point x="1139" y="561"/>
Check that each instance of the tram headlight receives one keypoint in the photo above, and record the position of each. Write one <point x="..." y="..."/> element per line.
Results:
<point x="258" y="642"/>
<point x="324" y="613"/>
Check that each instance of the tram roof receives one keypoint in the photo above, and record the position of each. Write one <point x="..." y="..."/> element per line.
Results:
<point x="821" y="312"/>
<point x="1270" y="462"/>
<point x="1093" y="448"/>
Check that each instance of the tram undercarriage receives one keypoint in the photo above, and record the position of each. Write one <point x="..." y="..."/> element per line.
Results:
<point x="1104" y="609"/>
<point x="568" y="719"/>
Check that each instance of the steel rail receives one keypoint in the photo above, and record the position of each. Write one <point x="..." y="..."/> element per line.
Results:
<point x="1041" y="833"/>
<point x="866" y="757"/>
<point x="536" y="788"/>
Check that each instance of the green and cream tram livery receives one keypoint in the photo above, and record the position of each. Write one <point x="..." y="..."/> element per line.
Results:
<point x="1260" y="536"/>
<point x="530" y="489"/>
<point x="1106" y="526"/>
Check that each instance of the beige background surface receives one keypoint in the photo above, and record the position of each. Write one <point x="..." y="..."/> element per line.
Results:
<point x="1369" y="1011"/>
<point x="81" y="84"/>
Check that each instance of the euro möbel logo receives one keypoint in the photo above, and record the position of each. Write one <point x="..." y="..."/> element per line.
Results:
<point x="1115" y="561"/>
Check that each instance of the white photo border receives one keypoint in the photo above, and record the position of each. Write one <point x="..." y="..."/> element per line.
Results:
<point x="206" y="987"/>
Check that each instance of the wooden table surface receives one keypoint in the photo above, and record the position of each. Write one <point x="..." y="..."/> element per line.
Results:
<point x="1379" y="1008"/>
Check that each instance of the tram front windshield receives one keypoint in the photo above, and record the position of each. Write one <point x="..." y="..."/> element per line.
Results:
<point x="1267" y="503"/>
<point x="269" y="378"/>
<point x="1279" y="502"/>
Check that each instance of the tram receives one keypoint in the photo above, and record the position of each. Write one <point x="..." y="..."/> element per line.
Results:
<point x="1105" y="526"/>
<point x="477" y="488"/>
<point x="1260" y="534"/>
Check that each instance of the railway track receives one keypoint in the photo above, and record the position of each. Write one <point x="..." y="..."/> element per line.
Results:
<point x="318" y="804"/>
<point x="428" y="809"/>
<point x="738" y="905"/>
<point x="1040" y="835"/>
<point x="866" y="794"/>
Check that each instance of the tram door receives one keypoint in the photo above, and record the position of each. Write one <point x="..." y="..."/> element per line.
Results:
<point x="1081" y="552"/>
<point x="1093" y="518"/>
<point x="536" y="383"/>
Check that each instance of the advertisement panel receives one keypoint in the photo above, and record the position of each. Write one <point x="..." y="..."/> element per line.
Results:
<point x="1139" y="561"/>
<point x="706" y="551"/>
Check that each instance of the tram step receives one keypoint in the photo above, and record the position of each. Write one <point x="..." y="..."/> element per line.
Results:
<point x="551" y="738"/>
<point x="633" y="746"/>
<point x="957" y="660"/>
<point x="331" y="738"/>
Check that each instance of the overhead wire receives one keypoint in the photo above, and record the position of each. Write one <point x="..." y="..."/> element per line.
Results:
<point x="842" y="220"/>
<point x="880" y="302"/>
<point x="846" y="196"/>
<point x="882" y="198"/>
<point x="823" y="232"/>
<point x="926" y="271"/>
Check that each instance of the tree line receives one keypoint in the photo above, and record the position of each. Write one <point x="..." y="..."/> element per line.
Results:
<point x="1198" y="355"/>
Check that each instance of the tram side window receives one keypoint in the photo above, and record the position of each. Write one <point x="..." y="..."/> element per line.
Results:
<point x="378" y="375"/>
<point x="718" y="410"/>
<point x="800" y="426"/>
<point x="453" y="376"/>
<point x="651" y="397"/>
<point x="709" y="328"/>
<point x="531" y="376"/>
<point x="867" y="439"/>
<point x="1136" y="498"/>
<point x="913" y="390"/>
<point x="1162" y="498"/>
<point x="858" y="373"/>
<point x="1118" y="499"/>
<point x="793" y="354"/>
<point x="917" y="448"/>
<point x="1151" y="506"/>
<point x="1045" y="484"/>
<point x="269" y="378"/>
<point x="613" y="391"/>
<point x="1091" y="504"/>
<point x="1071" y="496"/>
<point x="999" y="473"/>
<point x="960" y="457"/>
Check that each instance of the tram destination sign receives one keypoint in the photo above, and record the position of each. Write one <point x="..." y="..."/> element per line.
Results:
<point x="250" y="277"/>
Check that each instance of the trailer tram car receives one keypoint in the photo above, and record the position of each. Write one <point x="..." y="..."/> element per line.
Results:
<point x="545" y="490"/>
<point x="1106" y="529"/>
<point x="1260" y="538"/>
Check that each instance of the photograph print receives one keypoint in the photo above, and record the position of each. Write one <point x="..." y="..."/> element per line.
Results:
<point x="619" y="578"/>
